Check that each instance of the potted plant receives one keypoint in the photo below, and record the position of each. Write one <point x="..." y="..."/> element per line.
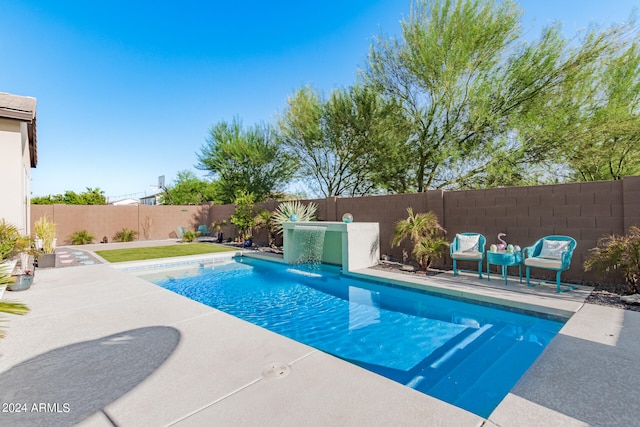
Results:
<point x="21" y="281"/>
<point x="14" y="247"/>
<point x="217" y="226"/>
<point x="46" y="231"/>
<point x="424" y="231"/>
<point x="25" y="273"/>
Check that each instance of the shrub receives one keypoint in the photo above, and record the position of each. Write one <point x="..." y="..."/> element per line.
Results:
<point x="620" y="253"/>
<point x="244" y="216"/>
<point x="9" y="237"/>
<point x="189" y="236"/>
<point x="125" y="235"/>
<point x="81" y="237"/>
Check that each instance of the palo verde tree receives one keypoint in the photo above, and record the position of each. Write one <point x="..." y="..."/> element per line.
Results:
<point x="603" y="137"/>
<point x="250" y="160"/>
<point x="468" y="85"/>
<point x="341" y="141"/>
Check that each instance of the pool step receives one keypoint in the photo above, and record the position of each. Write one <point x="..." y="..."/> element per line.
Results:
<point x="457" y="379"/>
<point x="503" y="374"/>
<point x="438" y="368"/>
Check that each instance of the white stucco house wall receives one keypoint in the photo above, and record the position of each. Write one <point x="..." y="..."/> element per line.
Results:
<point x="125" y="202"/>
<point x="18" y="154"/>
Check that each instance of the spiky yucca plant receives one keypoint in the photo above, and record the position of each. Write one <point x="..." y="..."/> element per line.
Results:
<point x="286" y="209"/>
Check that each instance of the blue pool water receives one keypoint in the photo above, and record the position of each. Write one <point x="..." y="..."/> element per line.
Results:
<point x="466" y="354"/>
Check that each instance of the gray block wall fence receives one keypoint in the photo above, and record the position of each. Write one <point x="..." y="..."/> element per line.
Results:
<point x="585" y="211"/>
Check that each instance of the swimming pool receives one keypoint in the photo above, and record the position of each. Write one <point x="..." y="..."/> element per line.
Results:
<point x="466" y="354"/>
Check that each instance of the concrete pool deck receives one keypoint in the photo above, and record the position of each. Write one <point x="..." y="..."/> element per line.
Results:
<point x="102" y="347"/>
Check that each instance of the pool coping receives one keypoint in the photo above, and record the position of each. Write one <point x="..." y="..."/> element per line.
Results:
<point x="74" y="305"/>
<point x="467" y="286"/>
<point x="175" y="262"/>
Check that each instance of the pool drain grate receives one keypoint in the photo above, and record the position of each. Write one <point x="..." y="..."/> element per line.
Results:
<point x="276" y="370"/>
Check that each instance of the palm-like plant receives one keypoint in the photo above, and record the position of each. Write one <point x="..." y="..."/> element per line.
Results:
<point x="425" y="232"/>
<point x="293" y="207"/>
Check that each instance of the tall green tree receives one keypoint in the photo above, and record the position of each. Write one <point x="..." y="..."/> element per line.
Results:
<point x="188" y="189"/>
<point x="604" y="135"/>
<point x="249" y="160"/>
<point x="341" y="141"/>
<point x="468" y="84"/>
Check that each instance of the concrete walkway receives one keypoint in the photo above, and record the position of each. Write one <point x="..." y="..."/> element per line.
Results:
<point x="102" y="347"/>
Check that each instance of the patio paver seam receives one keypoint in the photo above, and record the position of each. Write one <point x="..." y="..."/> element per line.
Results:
<point x="220" y="399"/>
<point x="236" y="391"/>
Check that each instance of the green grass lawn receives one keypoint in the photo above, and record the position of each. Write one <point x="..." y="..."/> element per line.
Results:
<point x="137" y="254"/>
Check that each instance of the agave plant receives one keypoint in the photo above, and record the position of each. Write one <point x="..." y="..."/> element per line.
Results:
<point x="425" y="232"/>
<point x="286" y="209"/>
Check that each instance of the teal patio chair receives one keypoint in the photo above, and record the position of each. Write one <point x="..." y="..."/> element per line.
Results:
<point x="467" y="247"/>
<point x="550" y="253"/>
<point x="204" y="231"/>
<point x="179" y="232"/>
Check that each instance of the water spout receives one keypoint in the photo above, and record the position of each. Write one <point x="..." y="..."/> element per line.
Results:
<point x="310" y="241"/>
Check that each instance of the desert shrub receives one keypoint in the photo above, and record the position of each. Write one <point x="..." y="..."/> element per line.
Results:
<point x="81" y="237"/>
<point x="125" y="235"/>
<point x="189" y="236"/>
<point x="618" y="253"/>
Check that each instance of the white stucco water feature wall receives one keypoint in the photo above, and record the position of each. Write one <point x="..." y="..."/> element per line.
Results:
<point x="353" y="245"/>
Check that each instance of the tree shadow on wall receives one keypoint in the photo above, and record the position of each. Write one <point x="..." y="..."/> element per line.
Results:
<point x="71" y="383"/>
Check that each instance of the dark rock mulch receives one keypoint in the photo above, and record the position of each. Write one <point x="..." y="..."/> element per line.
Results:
<point x="608" y="294"/>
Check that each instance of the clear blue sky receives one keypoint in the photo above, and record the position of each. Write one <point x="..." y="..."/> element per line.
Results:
<point x="127" y="90"/>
